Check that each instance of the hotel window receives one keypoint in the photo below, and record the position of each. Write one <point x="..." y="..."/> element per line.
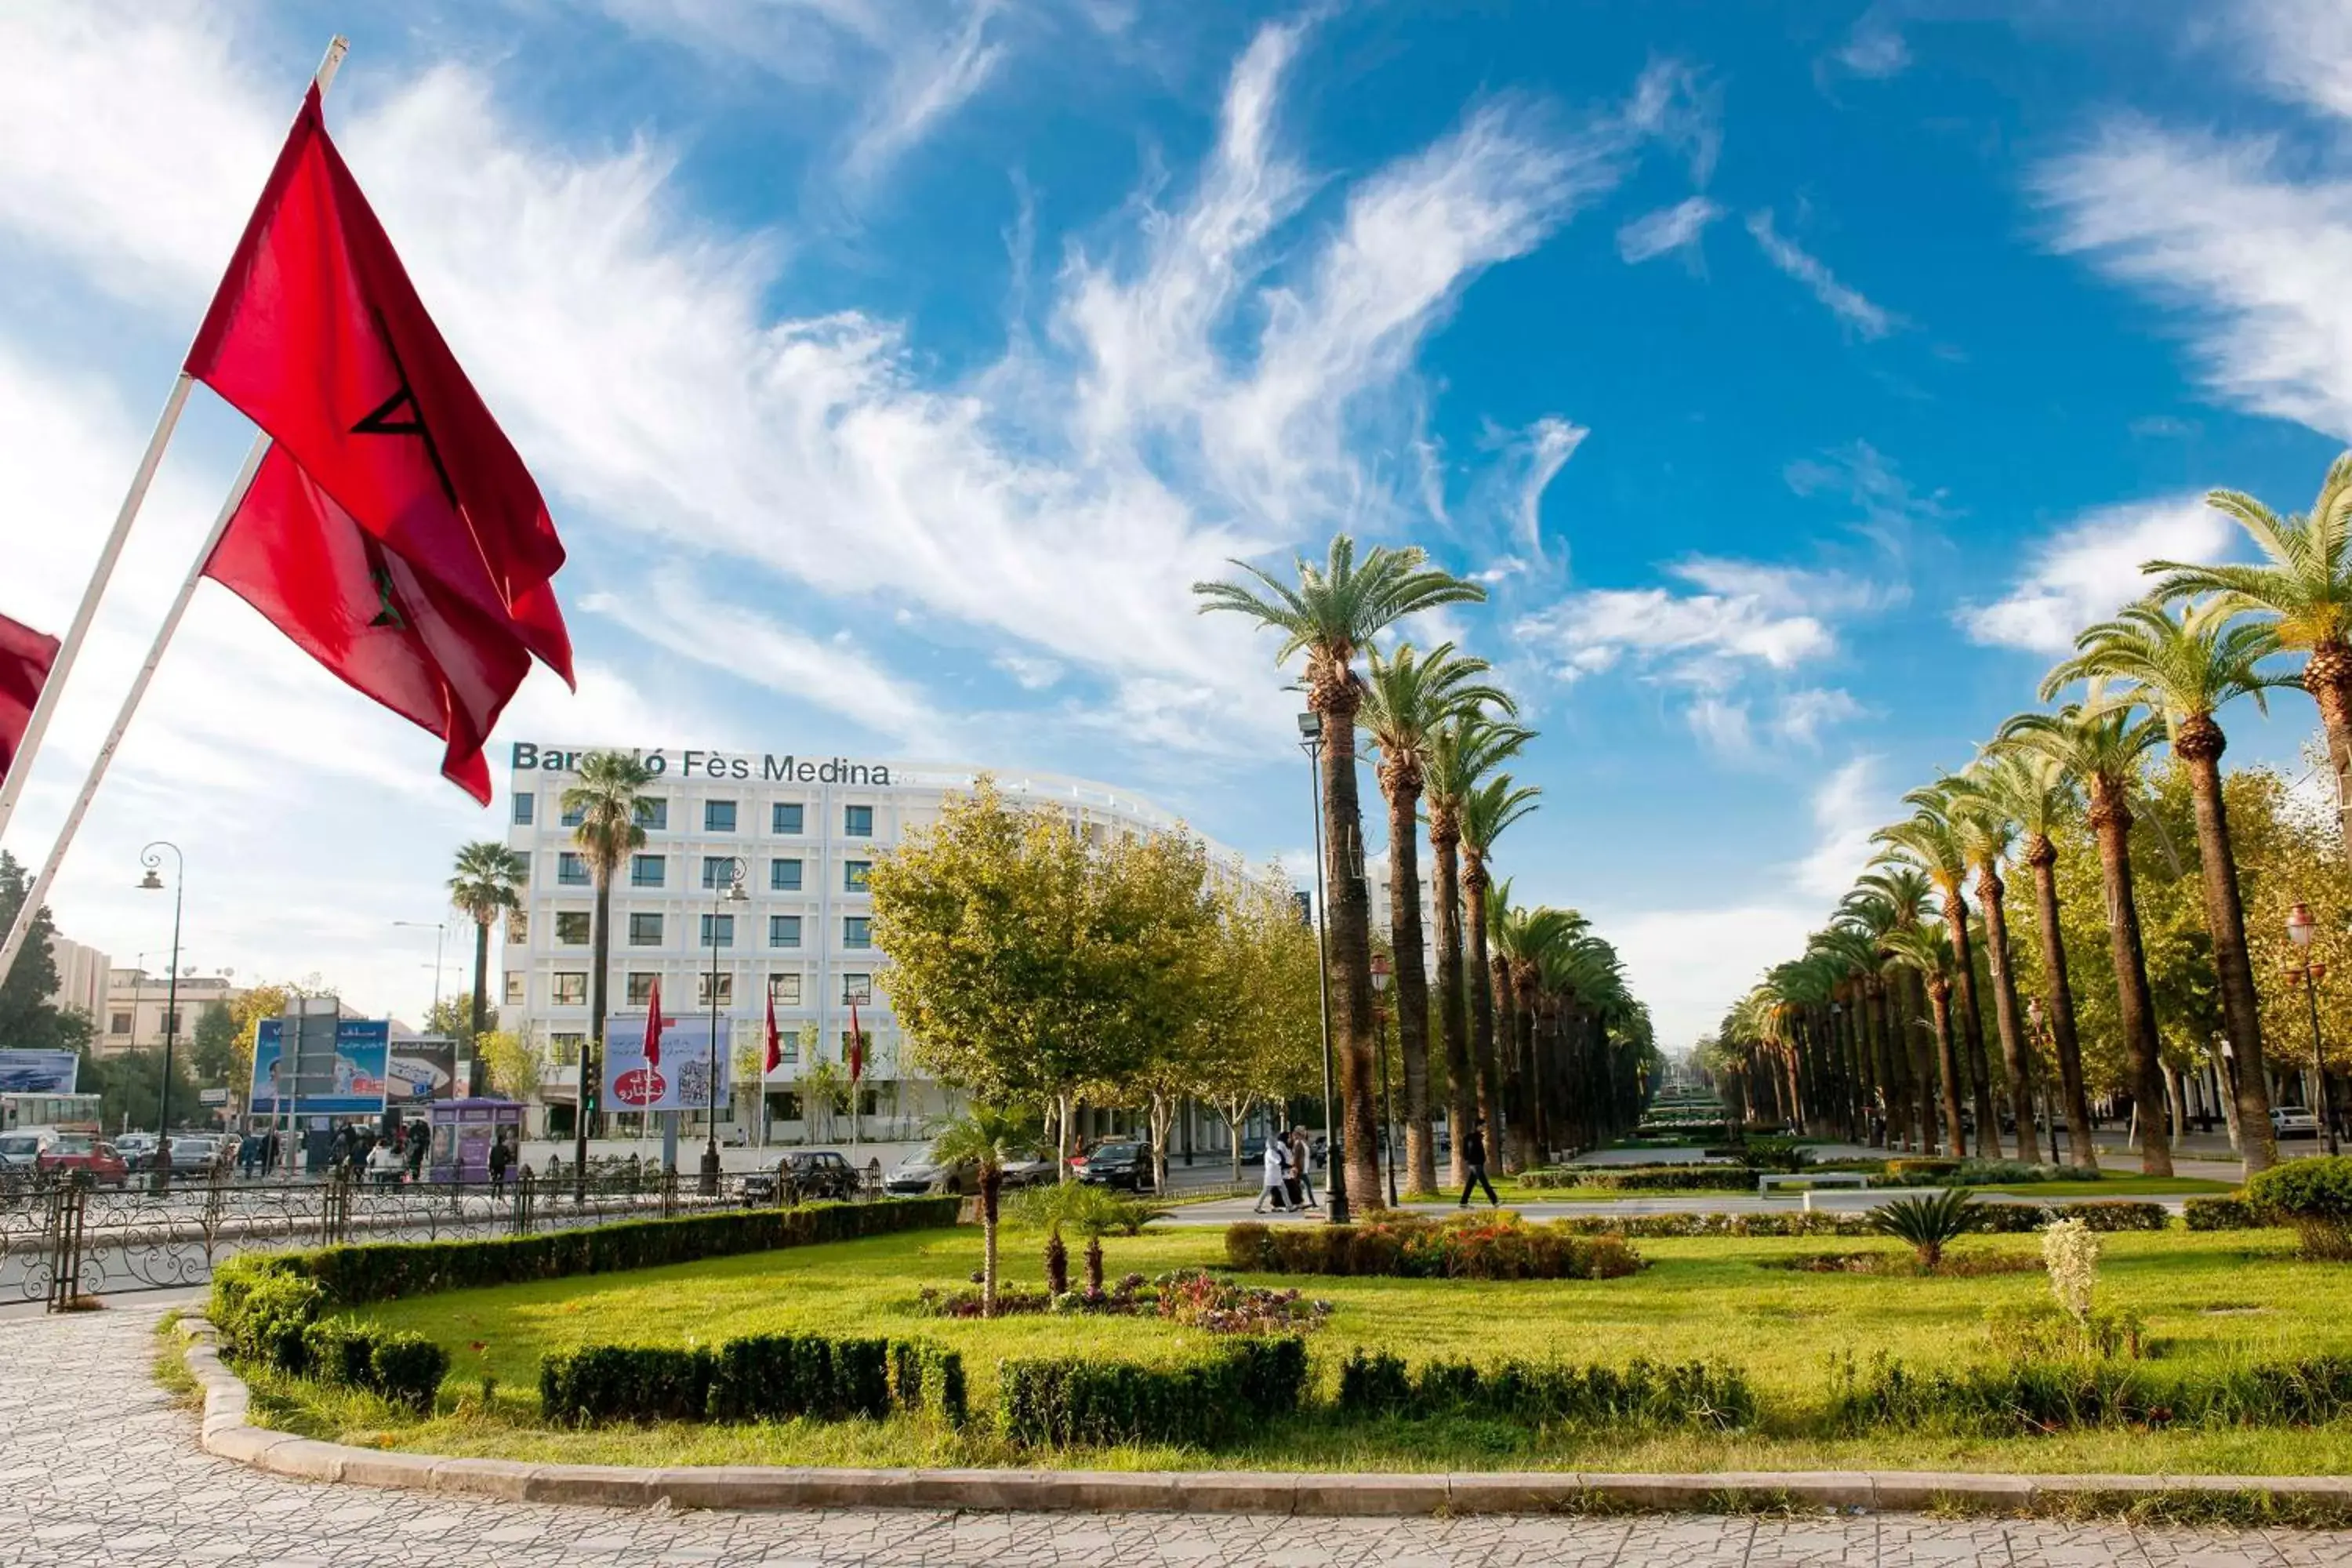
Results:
<point x="645" y="931"/>
<point x="784" y="990"/>
<point x="724" y="928"/>
<point x="641" y="990"/>
<point x="515" y="980"/>
<point x="648" y="871"/>
<point x="857" y="931"/>
<point x="785" y="817"/>
<point x="857" y="821"/>
<point x="570" y="870"/>
<point x="572" y="815"/>
<point x="168" y="1023"/>
<point x="854" y="874"/>
<point x="119" y="1023"/>
<point x="726" y="989"/>
<point x="571" y="990"/>
<point x="784" y="930"/>
<point x="522" y="804"/>
<point x="718" y="817"/>
<point x="653" y="813"/>
<point x="857" y="988"/>
<point x="718" y="870"/>
<point x="564" y="1049"/>
<point x="783" y="876"/>
<point x="572" y="927"/>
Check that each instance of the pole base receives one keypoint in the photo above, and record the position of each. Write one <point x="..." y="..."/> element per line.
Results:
<point x="710" y="1172"/>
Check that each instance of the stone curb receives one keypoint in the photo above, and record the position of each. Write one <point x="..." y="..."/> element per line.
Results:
<point x="228" y="1433"/>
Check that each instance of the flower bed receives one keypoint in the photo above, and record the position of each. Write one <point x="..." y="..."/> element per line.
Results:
<point x="1498" y="1245"/>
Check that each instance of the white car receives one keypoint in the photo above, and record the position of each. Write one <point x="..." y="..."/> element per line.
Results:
<point x="2293" y="1122"/>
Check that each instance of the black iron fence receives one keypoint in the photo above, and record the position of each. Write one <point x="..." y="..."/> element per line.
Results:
<point x="70" y="1240"/>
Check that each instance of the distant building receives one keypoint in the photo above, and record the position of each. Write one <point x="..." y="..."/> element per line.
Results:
<point x="81" y="979"/>
<point x="136" y="1013"/>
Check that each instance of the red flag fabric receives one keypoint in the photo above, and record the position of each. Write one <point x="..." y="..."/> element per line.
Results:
<point x="856" y="1045"/>
<point x="317" y="335"/>
<point x="654" y="1025"/>
<point x="362" y="611"/>
<point x="775" y="1046"/>
<point x="25" y="657"/>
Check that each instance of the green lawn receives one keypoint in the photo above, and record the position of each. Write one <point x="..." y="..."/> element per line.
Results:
<point x="2209" y="1297"/>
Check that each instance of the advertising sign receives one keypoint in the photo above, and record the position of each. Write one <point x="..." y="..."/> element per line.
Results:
<point x="423" y="1068"/>
<point x="341" y="1076"/>
<point x="680" y="1081"/>
<point x="38" y="1072"/>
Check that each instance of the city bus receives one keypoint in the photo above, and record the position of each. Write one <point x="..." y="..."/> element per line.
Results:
<point x="67" y="1112"/>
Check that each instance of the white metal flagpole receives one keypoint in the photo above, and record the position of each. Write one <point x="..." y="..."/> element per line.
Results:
<point x="47" y="702"/>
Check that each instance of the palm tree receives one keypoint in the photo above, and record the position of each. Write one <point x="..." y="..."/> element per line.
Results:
<point x="1408" y="698"/>
<point x="1851" y="951"/>
<point x="610" y="813"/>
<point x="987" y="1140"/>
<point x="2038" y="796"/>
<point x="1987" y="836"/>
<point x="1461" y="756"/>
<point x="1929" y="950"/>
<point x="488" y="882"/>
<point x="2302" y="590"/>
<point x="1891" y="899"/>
<point x="1331" y="617"/>
<point x="1929" y="841"/>
<point x="1524" y="941"/>
<point x="2183" y="670"/>
<point x="2103" y="747"/>
<point x="1488" y="809"/>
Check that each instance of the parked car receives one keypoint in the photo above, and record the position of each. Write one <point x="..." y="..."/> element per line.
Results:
<point x="2293" y="1122"/>
<point x="920" y="1173"/>
<point x="818" y="1174"/>
<point x="78" y="1154"/>
<point x="1125" y="1164"/>
<point x="20" y="1155"/>
<point x="137" y="1149"/>
<point x="194" y="1153"/>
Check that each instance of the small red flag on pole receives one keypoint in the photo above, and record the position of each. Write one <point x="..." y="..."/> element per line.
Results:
<point x="775" y="1046"/>
<point x="856" y="1044"/>
<point x="25" y="657"/>
<point x="654" y="1025"/>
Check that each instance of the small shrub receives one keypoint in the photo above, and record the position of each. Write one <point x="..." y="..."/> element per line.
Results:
<point x="1707" y="1395"/>
<point x="1922" y="1170"/>
<point x="2011" y="1172"/>
<point x="2034" y="1331"/>
<point x="1374" y="1382"/>
<point x="407" y="1369"/>
<point x="1057" y="1263"/>
<point x="1927" y="1225"/>
<point x="1249" y="1247"/>
<point x="1068" y="1401"/>
<point x="1090" y="1211"/>
<point x="272" y="1322"/>
<point x="1474" y="1246"/>
<point x="600" y="1384"/>
<point x="1643" y="1178"/>
<point x="2229" y="1211"/>
<point x="2312" y="1195"/>
<point x="340" y="1352"/>
<point x="2070" y="1251"/>
<point x="2037" y="1397"/>
<point x="2096" y="1214"/>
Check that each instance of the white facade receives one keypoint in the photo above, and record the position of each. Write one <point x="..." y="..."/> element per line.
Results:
<point x="805" y="830"/>
<point x="138" y="1011"/>
<point x="81" y="978"/>
<point x="1377" y="880"/>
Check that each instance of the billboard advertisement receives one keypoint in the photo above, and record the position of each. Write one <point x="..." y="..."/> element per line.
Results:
<point x="38" y="1072"/>
<point x="681" y="1082"/>
<point x="339" y="1075"/>
<point x="422" y="1069"/>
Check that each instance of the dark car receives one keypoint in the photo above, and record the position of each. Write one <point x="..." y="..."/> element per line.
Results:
<point x="1126" y="1166"/>
<point x="817" y="1174"/>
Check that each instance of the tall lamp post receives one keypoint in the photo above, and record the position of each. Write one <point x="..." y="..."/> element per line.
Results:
<point x="439" y="930"/>
<point x="151" y="857"/>
<point x="2041" y="1027"/>
<point x="1310" y="741"/>
<point x="2300" y="930"/>
<point x="1381" y="1044"/>
<point x="734" y="894"/>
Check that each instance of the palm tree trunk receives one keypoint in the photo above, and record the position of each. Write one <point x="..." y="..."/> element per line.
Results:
<point x="2014" y="1061"/>
<point x="1524" y="1143"/>
<point x="2327" y="675"/>
<point x="1452" y="1002"/>
<point x="1411" y="987"/>
<point x="1956" y="917"/>
<point x="1481" y="1001"/>
<point x="592" y="1060"/>
<point x="1507" y="1131"/>
<point x="2042" y="857"/>
<point x="481" y="974"/>
<point x="1940" y="1000"/>
<point x="2111" y="822"/>
<point x="2199" y="745"/>
<point x="1350" y="919"/>
<point x="1919" y="1050"/>
<point x="991" y="1186"/>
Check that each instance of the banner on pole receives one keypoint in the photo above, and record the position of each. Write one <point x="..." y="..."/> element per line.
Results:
<point x="679" y="1078"/>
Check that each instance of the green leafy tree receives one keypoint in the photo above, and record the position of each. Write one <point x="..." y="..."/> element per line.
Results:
<point x="486" y="882"/>
<point x="213" y="1055"/>
<point x="513" y="1063"/>
<point x="28" y="1019"/>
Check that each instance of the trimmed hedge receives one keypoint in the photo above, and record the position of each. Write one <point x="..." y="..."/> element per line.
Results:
<point x="1643" y="1178"/>
<point x="2314" y="1196"/>
<point x="760" y="1377"/>
<point x="1999" y="1219"/>
<point x="2229" y="1211"/>
<point x="2099" y="1213"/>
<point x="1071" y="1401"/>
<point x="1710" y="1395"/>
<point x="1479" y="1246"/>
<point x="2036" y="1398"/>
<point x="278" y="1327"/>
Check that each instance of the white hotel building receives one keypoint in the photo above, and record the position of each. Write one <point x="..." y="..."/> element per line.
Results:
<point x="805" y="830"/>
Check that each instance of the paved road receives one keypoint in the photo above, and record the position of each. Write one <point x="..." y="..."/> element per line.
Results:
<point x="97" y="1467"/>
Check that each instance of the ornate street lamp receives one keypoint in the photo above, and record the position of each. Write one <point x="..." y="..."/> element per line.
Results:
<point x="733" y="895"/>
<point x="1381" y="1044"/>
<point x="151" y="857"/>
<point x="2300" y="929"/>
<point x="1310" y="733"/>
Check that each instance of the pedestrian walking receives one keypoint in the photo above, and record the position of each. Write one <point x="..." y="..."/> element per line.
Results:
<point x="416" y="1144"/>
<point x="1302" y="1169"/>
<point x="500" y="1158"/>
<point x="1474" y="1160"/>
<point x="1277" y="1170"/>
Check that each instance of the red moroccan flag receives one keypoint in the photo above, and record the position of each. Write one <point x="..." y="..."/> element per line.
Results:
<point x="654" y="1025"/>
<point x="25" y="656"/>
<point x="856" y="1044"/>
<point x="775" y="1046"/>
<point x="318" y="336"/>
<point x="362" y="611"/>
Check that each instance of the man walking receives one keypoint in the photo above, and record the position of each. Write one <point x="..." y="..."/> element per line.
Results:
<point x="499" y="1157"/>
<point x="1474" y="1160"/>
<point x="1302" y="1169"/>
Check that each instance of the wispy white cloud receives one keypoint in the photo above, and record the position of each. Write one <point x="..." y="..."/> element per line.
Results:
<point x="1848" y="304"/>
<point x="1847" y="808"/>
<point x="2092" y="567"/>
<point x="1875" y="47"/>
<point x="1890" y="510"/>
<point x="1679" y="227"/>
<point x="1030" y="672"/>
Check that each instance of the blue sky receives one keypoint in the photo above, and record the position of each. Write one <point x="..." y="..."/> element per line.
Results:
<point x="1798" y="376"/>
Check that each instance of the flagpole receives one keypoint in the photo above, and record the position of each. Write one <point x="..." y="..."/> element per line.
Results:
<point x="53" y="686"/>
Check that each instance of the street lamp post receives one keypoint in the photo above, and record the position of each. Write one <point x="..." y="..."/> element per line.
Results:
<point x="2300" y="929"/>
<point x="1381" y="1044"/>
<point x="151" y="857"/>
<point x="733" y="895"/>
<point x="2041" y="1027"/>
<point x="439" y="930"/>
<point x="1310" y="732"/>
